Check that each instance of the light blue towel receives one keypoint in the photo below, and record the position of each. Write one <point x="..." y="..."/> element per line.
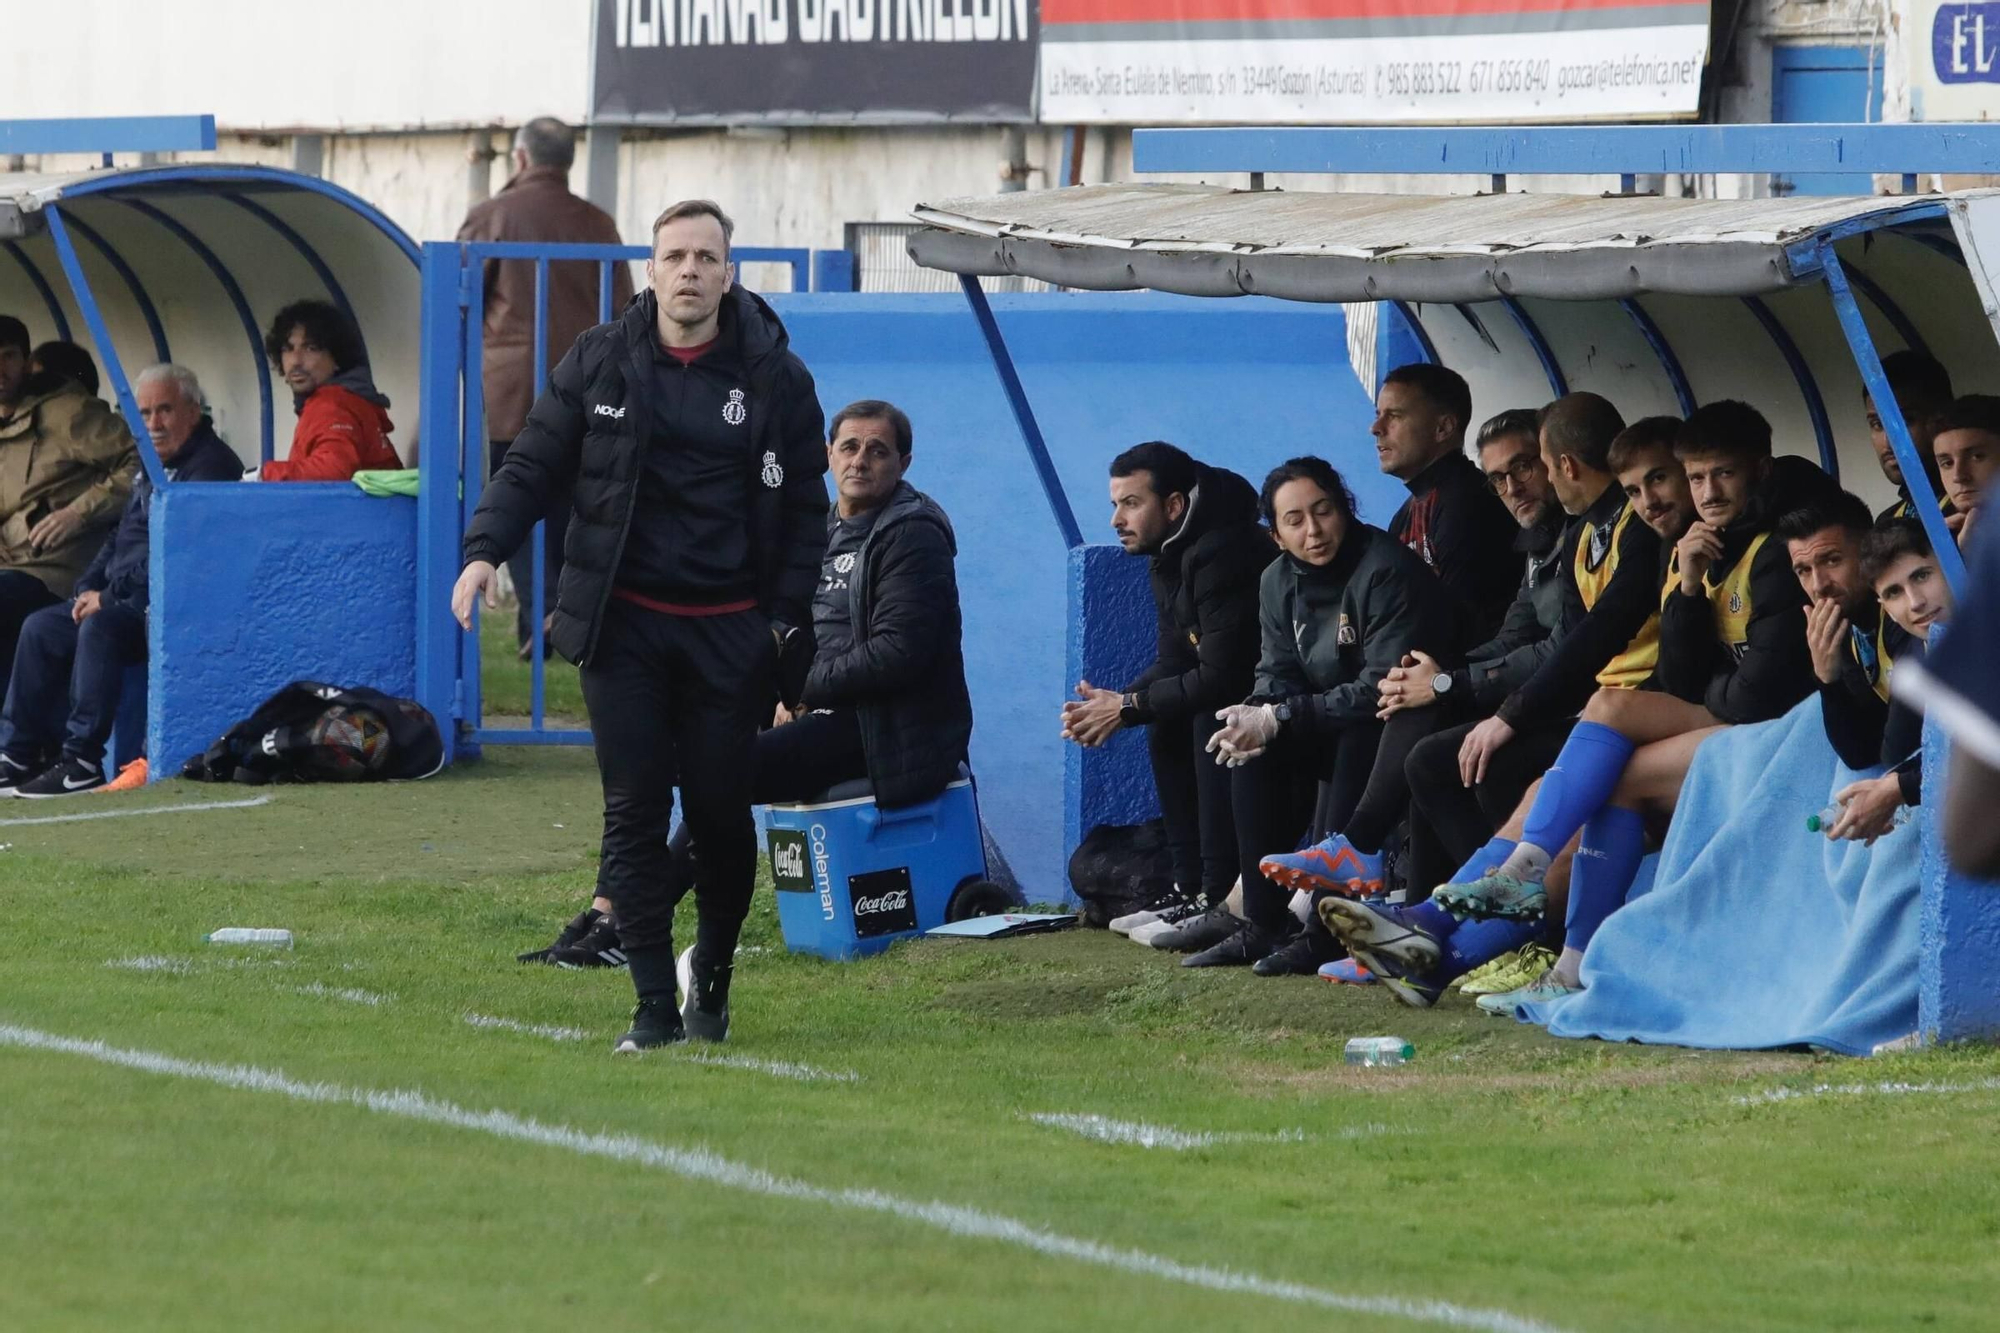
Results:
<point x="1757" y="932"/>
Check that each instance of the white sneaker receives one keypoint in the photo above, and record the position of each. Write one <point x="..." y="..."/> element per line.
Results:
<point x="1125" y="925"/>
<point x="1144" y="934"/>
<point x="1173" y="905"/>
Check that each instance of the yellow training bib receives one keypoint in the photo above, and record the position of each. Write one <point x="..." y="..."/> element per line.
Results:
<point x="1630" y="668"/>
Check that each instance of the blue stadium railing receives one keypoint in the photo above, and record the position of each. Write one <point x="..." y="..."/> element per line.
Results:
<point x="453" y="455"/>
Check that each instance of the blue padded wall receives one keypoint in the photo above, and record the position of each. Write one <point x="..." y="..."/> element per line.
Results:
<point x="255" y="586"/>
<point x="1243" y="383"/>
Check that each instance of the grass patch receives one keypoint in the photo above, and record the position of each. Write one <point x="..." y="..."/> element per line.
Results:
<point x="1584" y="1185"/>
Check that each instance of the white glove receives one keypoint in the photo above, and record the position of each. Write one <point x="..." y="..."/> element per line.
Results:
<point x="1247" y="729"/>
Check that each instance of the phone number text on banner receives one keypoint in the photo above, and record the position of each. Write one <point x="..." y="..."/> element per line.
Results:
<point x="1592" y="63"/>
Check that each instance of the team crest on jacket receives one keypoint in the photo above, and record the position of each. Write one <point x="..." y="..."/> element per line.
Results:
<point x="733" y="411"/>
<point x="1735" y="603"/>
<point x="774" y="476"/>
<point x="1344" y="635"/>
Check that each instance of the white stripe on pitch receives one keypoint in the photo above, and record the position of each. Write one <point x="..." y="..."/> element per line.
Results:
<point x="702" y="1165"/>
<point x="146" y="810"/>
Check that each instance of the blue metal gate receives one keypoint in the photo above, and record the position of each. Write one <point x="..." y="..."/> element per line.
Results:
<point x="452" y="462"/>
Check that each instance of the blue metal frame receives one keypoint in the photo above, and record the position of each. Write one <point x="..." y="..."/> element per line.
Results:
<point x="132" y="284"/>
<point x="100" y="333"/>
<point x="109" y="134"/>
<point x="1558" y="384"/>
<point x="442" y="474"/>
<point x="1565" y="150"/>
<point x="1024" y="413"/>
<point x="244" y="314"/>
<point x="1418" y="331"/>
<point x="1916" y="477"/>
<point x="41" y="285"/>
<point x="1892" y="312"/>
<point x="1663" y="350"/>
<point x="1829" y="454"/>
<point x="310" y="255"/>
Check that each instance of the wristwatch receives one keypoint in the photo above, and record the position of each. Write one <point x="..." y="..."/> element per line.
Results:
<point x="1282" y="710"/>
<point x="1441" y="683"/>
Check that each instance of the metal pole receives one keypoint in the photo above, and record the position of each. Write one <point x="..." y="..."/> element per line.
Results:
<point x="100" y="334"/>
<point x="441" y="472"/>
<point x="1024" y="414"/>
<point x="1915" y="475"/>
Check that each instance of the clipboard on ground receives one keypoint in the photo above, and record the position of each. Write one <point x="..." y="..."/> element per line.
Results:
<point x="1004" y="925"/>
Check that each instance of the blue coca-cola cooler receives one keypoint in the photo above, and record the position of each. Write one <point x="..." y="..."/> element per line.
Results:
<point x="852" y="878"/>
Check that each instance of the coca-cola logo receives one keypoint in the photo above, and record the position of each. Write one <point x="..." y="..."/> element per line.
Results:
<point x="883" y="903"/>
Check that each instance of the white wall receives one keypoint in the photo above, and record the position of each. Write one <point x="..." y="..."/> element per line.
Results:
<point x="361" y="64"/>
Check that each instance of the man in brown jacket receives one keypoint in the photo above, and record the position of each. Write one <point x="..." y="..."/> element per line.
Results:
<point x="66" y="467"/>
<point x="536" y="205"/>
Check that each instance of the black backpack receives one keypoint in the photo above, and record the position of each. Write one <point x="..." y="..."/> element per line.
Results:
<point x="1118" y="868"/>
<point x="311" y="732"/>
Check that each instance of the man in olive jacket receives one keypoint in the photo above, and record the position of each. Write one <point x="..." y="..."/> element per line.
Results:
<point x="691" y="435"/>
<point x="66" y="467"/>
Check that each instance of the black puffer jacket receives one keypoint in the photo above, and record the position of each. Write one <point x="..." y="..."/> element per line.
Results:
<point x="1205" y="591"/>
<point x="905" y="675"/>
<point x="590" y="428"/>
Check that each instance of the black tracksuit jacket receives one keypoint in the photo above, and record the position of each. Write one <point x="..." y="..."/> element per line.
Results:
<point x="1458" y="526"/>
<point x="596" y="426"/>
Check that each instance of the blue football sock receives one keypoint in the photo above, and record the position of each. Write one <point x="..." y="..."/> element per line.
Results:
<point x="1576" y="786"/>
<point x="1477" y="943"/>
<point x="1484" y="861"/>
<point x="1429" y="916"/>
<point x="1607" y="861"/>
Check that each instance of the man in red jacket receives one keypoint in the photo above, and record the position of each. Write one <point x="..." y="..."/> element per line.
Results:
<point x="343" y="419"/>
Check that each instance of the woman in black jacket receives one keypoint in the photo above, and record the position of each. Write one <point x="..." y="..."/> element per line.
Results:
<point x="1336" y="612"/>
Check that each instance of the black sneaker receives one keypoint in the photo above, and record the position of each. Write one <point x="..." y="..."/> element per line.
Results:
<point x="1302" y="955"/>
<point x="70" y="777"/>
<point x="598" y="948"/>
<point x="655" y="1023"/>
<point x="1246" y="946"/>
<point x="579" y="926"/>
<point x="14" y="772"/>
<point x="704" y="995"/>
<point x="1197" y="932"/>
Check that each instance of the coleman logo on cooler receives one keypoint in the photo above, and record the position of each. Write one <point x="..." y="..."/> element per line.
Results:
<point x="733" y="411"/>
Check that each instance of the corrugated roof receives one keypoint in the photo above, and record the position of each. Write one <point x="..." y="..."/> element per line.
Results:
<point x="1212" y="241"/>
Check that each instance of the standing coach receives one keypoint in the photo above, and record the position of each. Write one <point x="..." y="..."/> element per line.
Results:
<point x="693" y="438"/>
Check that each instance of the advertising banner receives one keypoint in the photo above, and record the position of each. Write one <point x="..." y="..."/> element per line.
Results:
<point x="1954" y="52"/>
<point x="809" y="61"/>
<point x="1303" y="62"/>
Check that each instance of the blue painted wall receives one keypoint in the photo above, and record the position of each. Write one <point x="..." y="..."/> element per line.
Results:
<point x="1243" y="383"/>
<point x="255" y="586"/>
<point x="1958" y="996"/>
<point x="1111" y="636"/>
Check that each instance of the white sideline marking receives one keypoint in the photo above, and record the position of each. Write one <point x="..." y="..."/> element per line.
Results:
<point x="531" y="1029"/>
<point x="150" y="810"/>
<point x="1776" y="1095"/>
<point x="153" y="963"/>
<point x="1132" y="1132"/>
<point x="775" y="1068"/>
<point x="350" y="994"/>
<point x="702" y="1165"/>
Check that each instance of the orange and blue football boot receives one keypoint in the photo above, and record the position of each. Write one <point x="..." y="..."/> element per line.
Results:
<point x="1332" y="866"/>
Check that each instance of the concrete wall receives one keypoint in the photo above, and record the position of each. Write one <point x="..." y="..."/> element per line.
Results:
<point x="255" y="586"/>
<point x="1243" y="383"/>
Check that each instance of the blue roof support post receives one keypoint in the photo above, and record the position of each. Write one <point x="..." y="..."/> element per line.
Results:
<point x="132" y="284"/>
<point x="1829" y="455"/>
<point x="440" y="473"/>
<point x="538" y="538"/>
<point x="244" y="314"/>
<point x="1024" y="413"/>
<point x="41" y="285"/>
<point x="1662" y="349"/>
<point x="1558" y="385"/>
<point x="1916" y="477"/>
<point x="100" y="334"/>
<point x="474" y="466"/>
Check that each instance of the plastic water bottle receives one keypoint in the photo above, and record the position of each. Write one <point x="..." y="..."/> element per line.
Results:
<point x="1379" y="1051"/>
<point x="1830" y="816"/>
<point x="280" y="939"/>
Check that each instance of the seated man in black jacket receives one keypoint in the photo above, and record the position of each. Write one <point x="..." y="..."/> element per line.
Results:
<point x="70" y="667"/>
<point x="1452" y="520"/>
<point x="1199" y="526"/>
<point x="876" y="688"/>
